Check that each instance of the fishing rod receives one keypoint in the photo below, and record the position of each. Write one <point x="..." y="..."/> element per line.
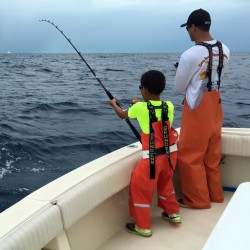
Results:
<point x="136" y="133"/>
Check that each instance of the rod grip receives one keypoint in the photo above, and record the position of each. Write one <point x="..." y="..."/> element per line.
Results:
<point x="109" y="95"/>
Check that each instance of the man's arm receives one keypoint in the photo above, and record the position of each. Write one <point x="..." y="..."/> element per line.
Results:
<point x="183" y="74"/>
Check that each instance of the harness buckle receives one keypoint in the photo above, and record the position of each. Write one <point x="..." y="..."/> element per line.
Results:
<point x="159" y="151"/>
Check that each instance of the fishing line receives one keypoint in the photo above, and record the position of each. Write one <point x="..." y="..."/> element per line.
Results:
<point x="136" y="133"/>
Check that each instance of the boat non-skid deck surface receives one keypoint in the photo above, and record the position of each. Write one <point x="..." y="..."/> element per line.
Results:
<point x="191" y="234"/>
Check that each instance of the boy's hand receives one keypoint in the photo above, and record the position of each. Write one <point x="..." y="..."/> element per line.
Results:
<point x="123" y="114"/>
<point x="133" y="100"/>
<point x="113" y="102"/>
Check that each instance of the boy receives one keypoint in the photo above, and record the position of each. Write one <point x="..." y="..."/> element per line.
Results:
<point x="159" y="154"/>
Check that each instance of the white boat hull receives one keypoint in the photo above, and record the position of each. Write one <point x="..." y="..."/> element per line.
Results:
<point x="87" y="208"/>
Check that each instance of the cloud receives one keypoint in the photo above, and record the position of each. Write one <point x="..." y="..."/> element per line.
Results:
<point x="116" y="25"/>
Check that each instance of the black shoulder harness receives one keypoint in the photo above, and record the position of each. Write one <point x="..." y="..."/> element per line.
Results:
<point x="152" y="119"/>
<point x="210" y="63"/>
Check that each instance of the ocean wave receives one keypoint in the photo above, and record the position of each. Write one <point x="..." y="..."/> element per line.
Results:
<point x="4" y="171"/>
<point x="10" y="154"/>
<point x="44" y="154"/>
<point x="41" y="107"/>
<point x="244" y="116"/>
<point x="10" y="195"/>
<point x="45" y="70"/>
<point x="63" y="108"/>
<point x="5" y="62"/>
<point x="52" y="106"/>
<point x="242" y="103"/>
<point x="115" y="70"/>
<point x="19" y="66"/>
<point x="8" y="127"/>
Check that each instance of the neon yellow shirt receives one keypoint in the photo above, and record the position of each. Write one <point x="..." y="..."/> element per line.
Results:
<point x="140" y="112"/>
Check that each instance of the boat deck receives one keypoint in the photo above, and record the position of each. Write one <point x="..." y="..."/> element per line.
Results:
<point x="191" y="234"/>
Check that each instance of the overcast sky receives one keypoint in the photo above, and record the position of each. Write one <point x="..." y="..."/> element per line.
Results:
<point x="117" y="25"/>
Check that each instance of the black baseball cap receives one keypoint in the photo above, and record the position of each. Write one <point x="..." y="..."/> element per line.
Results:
<point x="198" y="17"/>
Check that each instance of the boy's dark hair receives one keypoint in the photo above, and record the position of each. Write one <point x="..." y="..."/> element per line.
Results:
<point x="154" y="81"/>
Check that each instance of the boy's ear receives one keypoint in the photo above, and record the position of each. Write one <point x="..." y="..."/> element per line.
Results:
<point x="145" y="90"/>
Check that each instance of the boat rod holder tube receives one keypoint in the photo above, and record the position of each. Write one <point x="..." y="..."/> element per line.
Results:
<point x="136" y="133"/>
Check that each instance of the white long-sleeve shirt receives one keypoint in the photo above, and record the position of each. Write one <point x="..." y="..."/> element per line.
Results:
<point x="191" y="72"/>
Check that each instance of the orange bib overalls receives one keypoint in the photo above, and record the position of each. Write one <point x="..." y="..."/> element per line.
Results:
<point x="142" y="186"/>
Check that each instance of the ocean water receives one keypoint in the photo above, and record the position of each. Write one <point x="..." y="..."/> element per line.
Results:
<point x="55" y="117"/>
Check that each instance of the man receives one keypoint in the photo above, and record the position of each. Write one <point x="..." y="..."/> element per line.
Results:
<point x="198" y="74"/>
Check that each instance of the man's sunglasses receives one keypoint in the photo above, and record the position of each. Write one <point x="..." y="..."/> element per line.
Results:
<point x="188" y="26"/>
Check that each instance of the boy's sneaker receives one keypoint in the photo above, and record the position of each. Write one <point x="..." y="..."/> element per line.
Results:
<point x="133" y="229"/>
<point x="174" y="218"/>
